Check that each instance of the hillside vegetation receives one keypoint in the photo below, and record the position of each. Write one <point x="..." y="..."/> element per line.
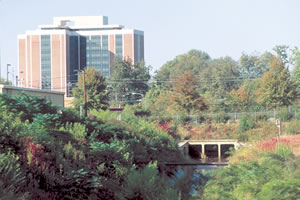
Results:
<point x="49" y="153"/>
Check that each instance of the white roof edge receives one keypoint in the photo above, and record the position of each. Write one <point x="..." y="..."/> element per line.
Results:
<point x="81" y="27"/>
<point x="31" y="89"/>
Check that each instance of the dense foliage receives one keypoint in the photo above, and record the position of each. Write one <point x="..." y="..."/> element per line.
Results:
<point x="128" y="79"/>
<point x="50" y="154"/>
<point x="276" y="177"/>
<point x="96" y="90"/>
<point x="276" y="87"/>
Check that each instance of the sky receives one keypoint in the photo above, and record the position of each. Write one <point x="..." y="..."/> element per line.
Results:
<point x="171" y="27"/>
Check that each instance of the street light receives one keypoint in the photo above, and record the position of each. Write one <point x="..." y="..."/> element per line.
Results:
<point x="7" y="72"/>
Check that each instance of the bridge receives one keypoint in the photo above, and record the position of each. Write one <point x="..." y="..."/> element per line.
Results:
<point x="205" y="149"/>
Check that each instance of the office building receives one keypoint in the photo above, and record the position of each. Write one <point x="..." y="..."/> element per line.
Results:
<point x="49" y="57"/>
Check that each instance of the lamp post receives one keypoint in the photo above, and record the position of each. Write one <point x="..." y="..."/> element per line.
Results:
<point x="7" y="72"/>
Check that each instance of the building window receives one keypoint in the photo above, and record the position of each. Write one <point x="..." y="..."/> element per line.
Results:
<point x="94" y="53"/>
<point x="119" y="46"/>
<point x="46" y="61"/>
<point x="105" y="56"/>
<point x="73" y="63"/>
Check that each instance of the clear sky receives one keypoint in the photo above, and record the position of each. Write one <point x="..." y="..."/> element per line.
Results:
<point x="171" y="27"/>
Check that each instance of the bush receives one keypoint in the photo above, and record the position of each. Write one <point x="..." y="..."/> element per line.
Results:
<point x="147" y="184"/>
<point x="105" y="115"/>
<point x="284" y="115"/>
<point x="269" y="178"/>
<point x="261" y="117"/>
<point x="221" y="117"/>
<point x="243" y="138"/>
<point x="283" y="151"/>
<point x="185" y="119"/>
<point x="246" y="123"/>
<point x="141" y="112"/>
<point x="293" y="127"/>
<point x="11" y="177"/>
<point x="78" y="130"/>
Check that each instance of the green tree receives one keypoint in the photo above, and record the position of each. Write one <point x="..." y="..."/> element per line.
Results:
<point x="96" y="92"/>
<point x="282" y="53"/>
<point x="276" y="87"/>
<point x="186" y="97"/>
<point x="127" y="78"/>
<point x="194" y="60"/>
<point x="239" y="98"/>
<point x="296" y="69"/>
<point x="254" y="66"/>
<point x="27" y="106"/>
<point x="220" y="77"/>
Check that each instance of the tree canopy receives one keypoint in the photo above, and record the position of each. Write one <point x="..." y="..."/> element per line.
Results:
<point x="194" y="61"/>
<point x="221" y="77"/>
<point x="254" y="66"/>
<point x="276" y="87"/>
<point x="186" y="97"/>
<point x="96" y="90"/>
<point x="127" y="78"/>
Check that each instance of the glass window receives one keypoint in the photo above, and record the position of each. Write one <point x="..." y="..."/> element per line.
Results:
<point x="46" y="61"/>
<point x="119" y="45"/>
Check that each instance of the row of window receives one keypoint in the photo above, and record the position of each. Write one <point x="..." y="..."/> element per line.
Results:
<point x="93" y="50"/>
<point x="46" y="61"/>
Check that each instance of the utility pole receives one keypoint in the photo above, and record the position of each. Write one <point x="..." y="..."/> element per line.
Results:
<point x="7" y="72"/>
<point x="84" y="93"/>
<point x="278" y="124"/>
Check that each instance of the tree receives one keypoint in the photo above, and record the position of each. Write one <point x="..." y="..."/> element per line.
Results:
<point x="27" y="106"/>
<point x="282" y="53"/>
<point x="194" y="60"/>
<point x="97" y="95"/>
<point x="186" y="97"/>
<point x="276" y="87"/>
<point x="254" y="66"/>
<point x="127" y="78"/>
<point x="296" y="69"/>
<point x="220" y="77"/>
<point x="240" y="98"/>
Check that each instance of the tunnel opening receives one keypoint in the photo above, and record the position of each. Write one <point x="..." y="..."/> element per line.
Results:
<point x="195" y="151"/>
<point x="211" y="150"/>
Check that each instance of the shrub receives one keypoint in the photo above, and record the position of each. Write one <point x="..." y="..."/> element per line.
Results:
<point x="243" y="138"/>
<point x="221" y="117"/>
<point x="185" y="119"/>
<point x="106" y="115"/>
<point x="293" y="127"/>
<point x="78" y="130"/>
<point x="148" y="184"/>
<point x="106" y="132"/>
<point x="284" y="115"/>
<point x="261" y="117"/>
<point x="11" y="177"/>
<point x="246" y="123"/>
<point x="48" y="121"/>
<point x="280" y="189"/>
<point x="141" y="112"/>
<point x="284" y="151"/>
